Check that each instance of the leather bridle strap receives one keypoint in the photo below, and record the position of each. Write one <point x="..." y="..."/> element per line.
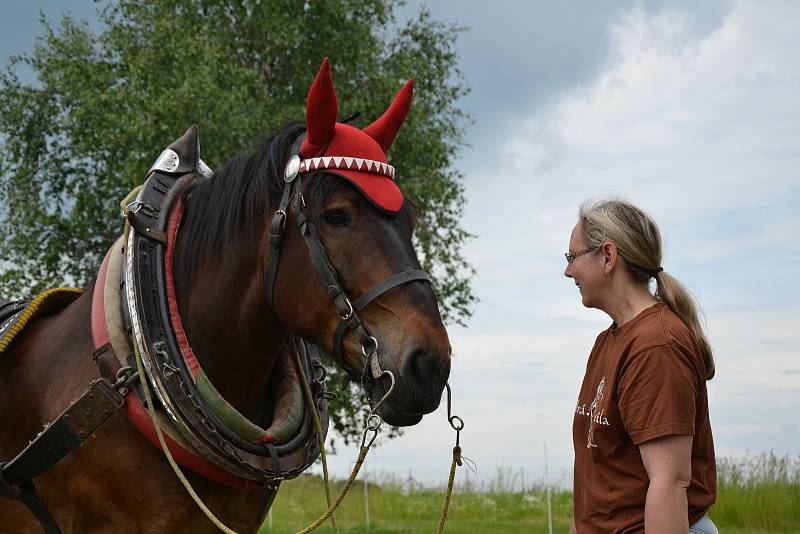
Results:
<point x="276" y="230"/>
<point x="278" y="226"/>
<point x="364" y="300"/>
<point x="326" y="272"/>
<point x="25" y="492"/>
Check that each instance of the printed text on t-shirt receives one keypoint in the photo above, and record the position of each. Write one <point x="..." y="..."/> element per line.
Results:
<point x="595" y="416"/>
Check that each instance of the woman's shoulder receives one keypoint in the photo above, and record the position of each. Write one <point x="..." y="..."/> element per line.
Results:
<point x="675" y="330"/>
<point x="661" y="326"/>
<point x="664" y="342"/>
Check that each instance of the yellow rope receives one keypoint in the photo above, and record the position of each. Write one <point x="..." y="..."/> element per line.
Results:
<point x="167" y="453"/>
<point x="317" y="427"/>
<point x="331" y="507"/>
<point x="449" y="493"/>
<point x="324" y="517"/>
<point x="151" y="410"/>
<point x="30" y="310"/>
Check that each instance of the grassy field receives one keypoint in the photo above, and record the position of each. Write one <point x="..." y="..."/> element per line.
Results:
<point x="757" y="495"/>
<point x="760" y="493"/>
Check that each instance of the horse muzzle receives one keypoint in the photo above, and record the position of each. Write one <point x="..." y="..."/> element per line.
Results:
<point x="417" y="390"/>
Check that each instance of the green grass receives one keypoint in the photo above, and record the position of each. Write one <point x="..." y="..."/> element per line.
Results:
<point x="756" y="495"/>
<point x="301" y="501"/>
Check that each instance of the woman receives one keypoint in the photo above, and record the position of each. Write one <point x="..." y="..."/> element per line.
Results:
<point x="644" y="455"/>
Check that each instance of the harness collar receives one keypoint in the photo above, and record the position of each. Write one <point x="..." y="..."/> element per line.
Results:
<point x="197" y="419"/>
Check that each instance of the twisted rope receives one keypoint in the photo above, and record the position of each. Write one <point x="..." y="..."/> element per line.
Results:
<point x="317" y="427"/>
<point x="448" y="494"/>
<point x="151" y="411"/>
<point x="324" y="517"/>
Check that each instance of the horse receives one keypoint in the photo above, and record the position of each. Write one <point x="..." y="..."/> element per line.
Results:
<point x="238" y="328"/>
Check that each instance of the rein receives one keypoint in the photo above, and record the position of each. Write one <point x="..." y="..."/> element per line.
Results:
<point x="373" y="423"/>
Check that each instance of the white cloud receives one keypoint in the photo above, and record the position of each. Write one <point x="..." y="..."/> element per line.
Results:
<point x="714" y="118"/>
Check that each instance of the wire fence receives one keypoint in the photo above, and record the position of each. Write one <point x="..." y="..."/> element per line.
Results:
<point x="503" y="479"/>
<point x="469" y="479"/>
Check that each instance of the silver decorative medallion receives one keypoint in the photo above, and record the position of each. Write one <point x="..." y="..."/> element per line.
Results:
<point x="292" y="168"/>
<point x="168" y="161"/>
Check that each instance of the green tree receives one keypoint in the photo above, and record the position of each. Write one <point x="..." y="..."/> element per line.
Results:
<point x="104" y="104"/>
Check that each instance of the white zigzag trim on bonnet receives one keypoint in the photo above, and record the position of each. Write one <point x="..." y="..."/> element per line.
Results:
<point x="346" y="163"/>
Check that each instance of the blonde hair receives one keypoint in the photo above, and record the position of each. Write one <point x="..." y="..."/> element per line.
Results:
<point x="638" y="243"/>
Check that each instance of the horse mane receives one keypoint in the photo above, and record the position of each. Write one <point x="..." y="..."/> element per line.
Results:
<point x="243" y="190"/>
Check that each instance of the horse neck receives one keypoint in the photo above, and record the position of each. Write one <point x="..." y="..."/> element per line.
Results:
<point x="232" y="331"/>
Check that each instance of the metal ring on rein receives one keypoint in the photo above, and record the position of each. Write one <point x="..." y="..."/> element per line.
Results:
<point x="374" y="422"/>
<point x="374" y="349"/>
<point x="455" y="421"/>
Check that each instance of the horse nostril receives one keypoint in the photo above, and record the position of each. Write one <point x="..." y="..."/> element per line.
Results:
<point x="422" y="364"/>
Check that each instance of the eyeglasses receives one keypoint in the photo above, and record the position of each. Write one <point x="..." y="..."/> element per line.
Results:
<point x="572" y="257"/>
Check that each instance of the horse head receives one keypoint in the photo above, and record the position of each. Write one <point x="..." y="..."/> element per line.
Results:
<point x="365" y="229"/>
<point x="340" y="235"/>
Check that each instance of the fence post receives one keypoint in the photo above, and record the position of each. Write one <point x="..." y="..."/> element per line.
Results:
<point x="547" y="485"/>
<point x="366" y="499"/>
<point x="269" y="520"/>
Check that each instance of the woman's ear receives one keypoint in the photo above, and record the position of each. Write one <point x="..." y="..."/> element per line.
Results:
<point x="610" y="257"/>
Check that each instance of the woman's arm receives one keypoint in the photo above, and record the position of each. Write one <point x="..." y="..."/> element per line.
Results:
<point x="668" y="462"/>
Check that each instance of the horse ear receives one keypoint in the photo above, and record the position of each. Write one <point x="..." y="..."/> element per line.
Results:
<point x="322" y="107"/>
<point x="385" y="129"/>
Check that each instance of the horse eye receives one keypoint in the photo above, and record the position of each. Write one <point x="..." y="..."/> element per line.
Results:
<point x="335" y="217"/>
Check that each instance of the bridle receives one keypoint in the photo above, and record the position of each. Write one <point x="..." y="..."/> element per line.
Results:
<point x="348" y="311"/>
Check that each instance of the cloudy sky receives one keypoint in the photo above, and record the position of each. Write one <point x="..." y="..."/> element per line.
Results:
<point x="690" y="110"/>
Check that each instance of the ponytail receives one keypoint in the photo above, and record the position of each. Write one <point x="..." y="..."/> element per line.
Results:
<point x="682" y="303"/>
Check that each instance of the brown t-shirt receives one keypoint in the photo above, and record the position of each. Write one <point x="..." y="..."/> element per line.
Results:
<point x="644" y="380"/>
